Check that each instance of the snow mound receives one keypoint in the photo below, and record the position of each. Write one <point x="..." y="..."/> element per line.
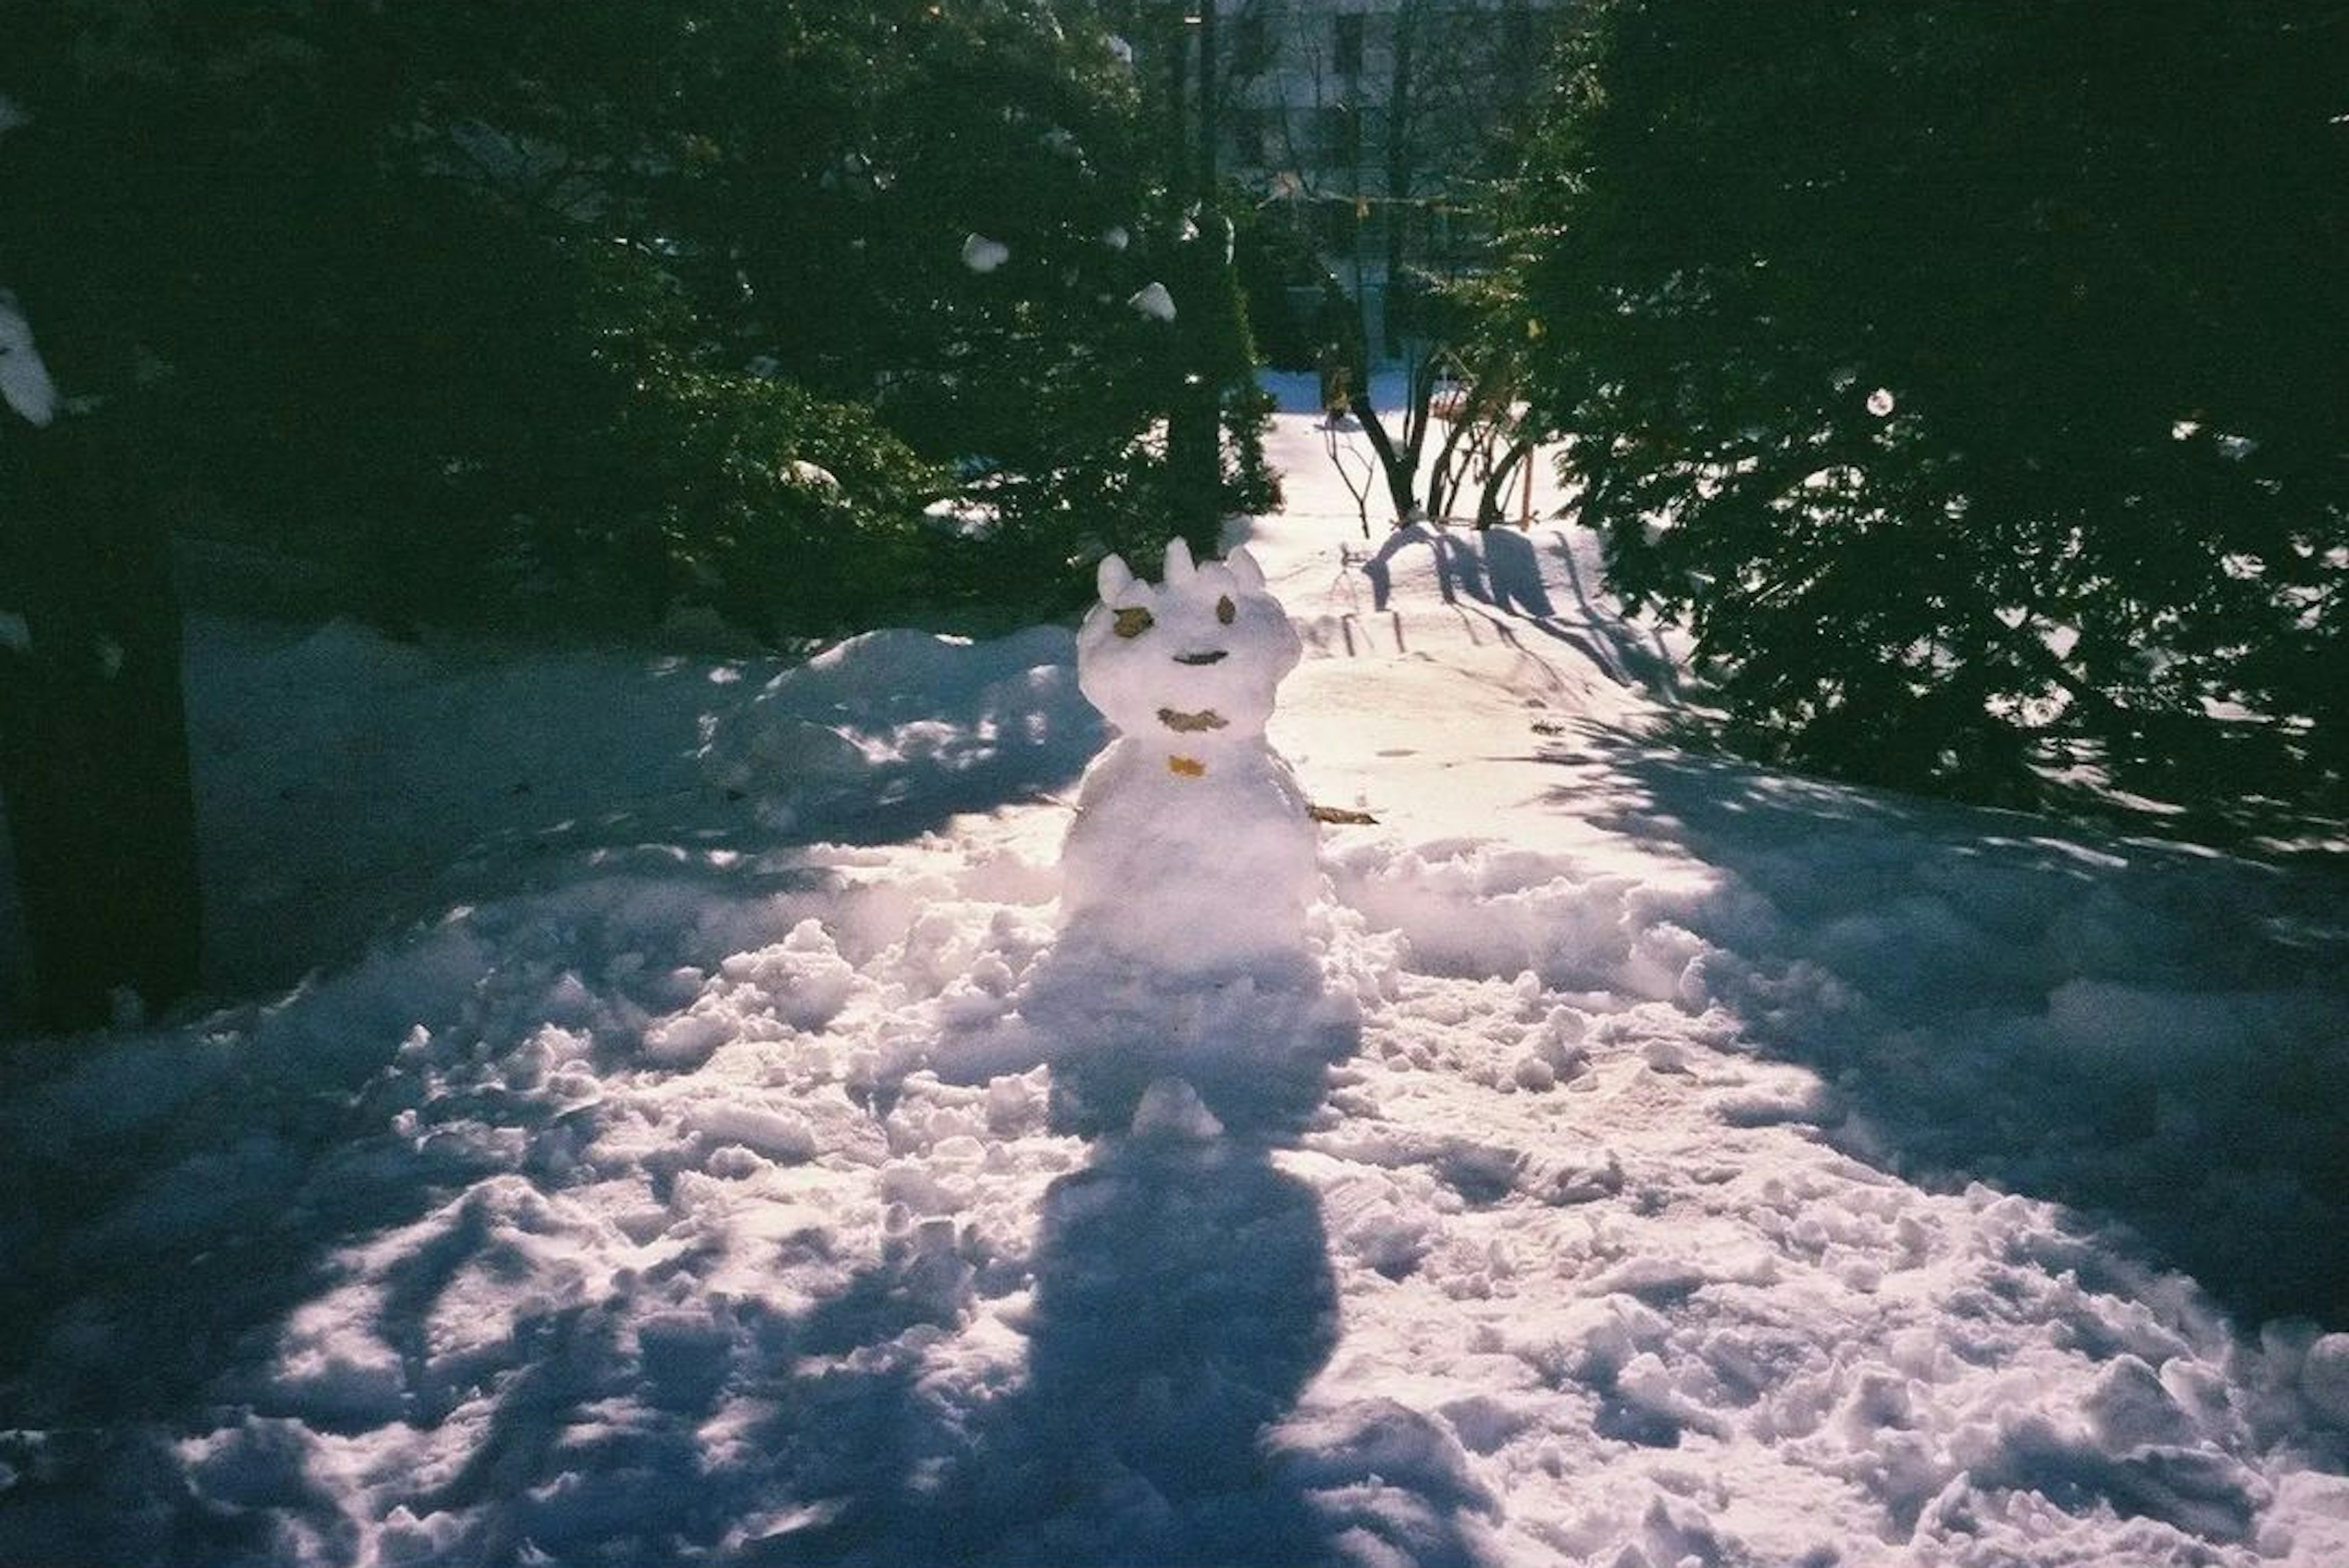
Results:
<point x="898" y="722"/>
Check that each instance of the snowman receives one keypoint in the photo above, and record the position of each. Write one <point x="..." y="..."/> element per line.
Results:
<point x="1192" y="852"/>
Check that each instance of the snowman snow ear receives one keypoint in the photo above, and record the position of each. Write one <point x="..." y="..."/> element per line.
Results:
<point x="1244" y="567"/>
<point x="1179" y="565"/>
<point x="1112" y="578"/>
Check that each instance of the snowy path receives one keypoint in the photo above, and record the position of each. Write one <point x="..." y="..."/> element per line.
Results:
<point x="1688" y="1163"/>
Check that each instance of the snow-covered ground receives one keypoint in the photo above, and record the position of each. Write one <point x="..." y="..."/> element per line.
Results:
<point x="665" y="1126"/>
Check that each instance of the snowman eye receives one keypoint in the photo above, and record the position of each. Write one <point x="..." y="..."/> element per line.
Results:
<point x="1226" y="611"/>
<point x="1132" y="621"/>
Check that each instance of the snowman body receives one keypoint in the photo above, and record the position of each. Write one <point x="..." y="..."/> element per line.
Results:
<point x="1193" y="851"/>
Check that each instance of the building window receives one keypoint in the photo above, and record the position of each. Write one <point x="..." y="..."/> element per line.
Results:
<point x="1350" y="45"/>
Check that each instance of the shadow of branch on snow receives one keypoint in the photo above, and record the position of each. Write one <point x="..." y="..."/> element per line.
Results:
<point x="1496" y="575"/>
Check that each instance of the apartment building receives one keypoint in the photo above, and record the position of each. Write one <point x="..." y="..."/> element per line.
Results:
<point x="1369" y="126"/>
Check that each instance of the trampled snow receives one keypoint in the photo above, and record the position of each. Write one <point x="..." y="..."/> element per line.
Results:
<point x="671" y="1120"/>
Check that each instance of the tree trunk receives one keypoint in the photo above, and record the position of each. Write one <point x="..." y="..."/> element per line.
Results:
<point x="1402" y="475"/>
<point x="1400" y="174"/>
<point x="1195" y="407"/>
<point x="1400" y="464"/>
<point x="93" y="736"/>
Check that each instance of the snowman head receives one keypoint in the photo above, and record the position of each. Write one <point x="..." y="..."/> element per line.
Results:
<point x="1190" y="663"/>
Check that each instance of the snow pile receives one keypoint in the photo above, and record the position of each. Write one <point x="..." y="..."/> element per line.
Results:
<point x="733" y="1150"/>
<point x="898" y="721"/>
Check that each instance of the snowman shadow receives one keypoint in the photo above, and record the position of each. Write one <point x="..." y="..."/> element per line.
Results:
<point x="1183" y="1298"/>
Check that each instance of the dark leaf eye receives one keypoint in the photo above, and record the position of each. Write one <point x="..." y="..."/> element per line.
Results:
<point x="1132" y="621"/>
<point x="1226" y="611"/>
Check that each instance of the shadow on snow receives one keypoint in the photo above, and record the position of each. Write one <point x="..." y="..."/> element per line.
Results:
<point x="2145" y="1033"/>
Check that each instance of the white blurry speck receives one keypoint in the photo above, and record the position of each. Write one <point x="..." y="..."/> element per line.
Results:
<point x="1116" y="239"/>
<point x="1879" y="402"/>
<point x="2235" y="449"/>
<point x="1152" y="300"/>
<point x="15" y="634"/>
<point x="24" y="381"/>
<point x="2184" y="429"/>
<point x="11" y="115"/>
<point x="109" y="657"/>
<point x="1122" y="49"/>
<point x="981" y="254"/>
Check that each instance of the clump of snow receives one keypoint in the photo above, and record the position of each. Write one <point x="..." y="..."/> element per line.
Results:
<point x="2325" y="1376"/>
<point x="981" y="254"/>
<point x="1152" y="300"/>
<point x="25" y="382"/>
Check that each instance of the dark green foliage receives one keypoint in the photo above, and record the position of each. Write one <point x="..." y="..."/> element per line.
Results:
<point x="1968" y="375"/>
<point x="93" y="759"/>
<point x="1282" y="280"/>
<point x="527" y="311"/>
<point x="843" y="165"/>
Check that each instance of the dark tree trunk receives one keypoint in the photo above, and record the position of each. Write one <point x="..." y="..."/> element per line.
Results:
<point x="1195" y="446"/>
<point x="93" y="736"/>
<point x="1400" y="465"/>
<point x="1400" y="175"/>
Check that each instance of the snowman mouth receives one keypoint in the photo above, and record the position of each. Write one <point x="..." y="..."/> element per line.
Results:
<point x="1192" y="723"/>
<point x="1214" y="658"/>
